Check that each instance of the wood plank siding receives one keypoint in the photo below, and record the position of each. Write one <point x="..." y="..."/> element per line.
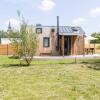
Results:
<point x="70" y="41"/>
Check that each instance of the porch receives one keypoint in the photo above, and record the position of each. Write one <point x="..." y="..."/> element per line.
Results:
<point x="71" y="45"/>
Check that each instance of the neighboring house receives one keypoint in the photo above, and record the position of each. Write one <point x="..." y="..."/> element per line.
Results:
<point x="5" y="41"/>
<point x="91" y="48"/>
<point x="62" y="40"/>
<point x="3" y="38"/>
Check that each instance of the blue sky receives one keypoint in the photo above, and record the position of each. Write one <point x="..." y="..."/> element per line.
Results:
<point x="84" y="13"/>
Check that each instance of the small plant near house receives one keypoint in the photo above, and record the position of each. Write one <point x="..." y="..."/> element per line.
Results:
<point x="25" y="44"/>
<point x="98" y="47"/>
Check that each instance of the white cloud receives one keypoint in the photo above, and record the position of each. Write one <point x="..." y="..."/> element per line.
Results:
<point x="47" y="5"/>
<point x="14" y="22"/>
<point x="95" y="12"/>
<point x="79" y="21"/>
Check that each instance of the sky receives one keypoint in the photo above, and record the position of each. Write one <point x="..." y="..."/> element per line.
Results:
<point x="83" y="13"/>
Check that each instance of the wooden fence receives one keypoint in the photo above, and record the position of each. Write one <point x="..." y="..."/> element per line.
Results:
<point x="9" y="49"/>
<point x="6" y="50"/>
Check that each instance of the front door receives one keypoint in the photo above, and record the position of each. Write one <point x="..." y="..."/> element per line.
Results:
<point x="67" y="45"/>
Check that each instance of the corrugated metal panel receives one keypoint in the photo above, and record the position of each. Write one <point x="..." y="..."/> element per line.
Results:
<point x="68" y="30"/>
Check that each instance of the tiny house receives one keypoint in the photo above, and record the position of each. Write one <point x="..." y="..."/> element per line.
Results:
<point x="59" y="40"/>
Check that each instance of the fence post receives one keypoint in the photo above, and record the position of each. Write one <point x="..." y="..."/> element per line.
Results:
<point x="7" y="49"/>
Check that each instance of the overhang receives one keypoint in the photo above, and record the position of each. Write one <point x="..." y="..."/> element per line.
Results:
<point x="68" y="30"/>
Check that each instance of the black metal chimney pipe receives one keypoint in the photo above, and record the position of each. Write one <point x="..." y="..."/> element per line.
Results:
<point x="57" y="32"/>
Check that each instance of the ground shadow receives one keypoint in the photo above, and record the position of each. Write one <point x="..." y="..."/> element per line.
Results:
<point x="13" y="65"/>
<point x="13" y="57"/>
<point x="93" y="65"/>
<point x="37" y="64"/>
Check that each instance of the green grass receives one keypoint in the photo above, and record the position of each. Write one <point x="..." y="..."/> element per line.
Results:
<point x="49" y="80"/>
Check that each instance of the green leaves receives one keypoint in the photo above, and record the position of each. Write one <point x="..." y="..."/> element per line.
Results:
<point x="26" y="44"/>
<point x="96" y="35"/>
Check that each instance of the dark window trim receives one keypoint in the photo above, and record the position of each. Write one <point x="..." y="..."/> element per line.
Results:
<point x="37" y="29"/>
<point x="44" y="42"/>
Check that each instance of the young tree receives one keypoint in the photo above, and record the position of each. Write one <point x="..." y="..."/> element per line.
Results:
<point x="96" y="35"/>
<point x="25" y="42"/>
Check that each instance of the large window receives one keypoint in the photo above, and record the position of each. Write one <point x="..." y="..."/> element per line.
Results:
<point x="46" y="42"/>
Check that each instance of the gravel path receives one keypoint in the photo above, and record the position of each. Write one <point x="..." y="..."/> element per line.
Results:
<point x="68" y="57"/>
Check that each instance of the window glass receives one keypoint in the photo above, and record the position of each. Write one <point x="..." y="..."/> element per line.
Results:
<point x="46" y="42"/>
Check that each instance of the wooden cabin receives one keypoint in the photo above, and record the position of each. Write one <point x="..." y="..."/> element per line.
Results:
<point x="65" y="41"/>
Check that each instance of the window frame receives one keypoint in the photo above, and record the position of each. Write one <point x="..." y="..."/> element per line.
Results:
<point x="44" y="39"/>
<point x="38" y="29"/>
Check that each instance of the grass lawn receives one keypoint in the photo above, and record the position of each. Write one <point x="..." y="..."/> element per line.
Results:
<point x="49" y="80"/>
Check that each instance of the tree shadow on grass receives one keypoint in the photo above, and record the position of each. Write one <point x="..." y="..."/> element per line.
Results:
<point x="95" y="66"/>
<point x="13" y="65"/>
<point x="13" y="57"/>
<point x="92" y="65"/>
<point x="37" y="64"/>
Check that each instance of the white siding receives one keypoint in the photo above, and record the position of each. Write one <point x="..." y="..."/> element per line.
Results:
<point x="5" y="41"/>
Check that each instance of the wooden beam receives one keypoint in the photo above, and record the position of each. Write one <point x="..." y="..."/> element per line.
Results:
<point x="53" y="43"/>
<point x="7" y="49"/>
<point x="75" y="45"/>
<point x="68" y="45"/>
<point x="72" y="45"/>
<point x="62" y="45"/>
<point x="83" y="45"/>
